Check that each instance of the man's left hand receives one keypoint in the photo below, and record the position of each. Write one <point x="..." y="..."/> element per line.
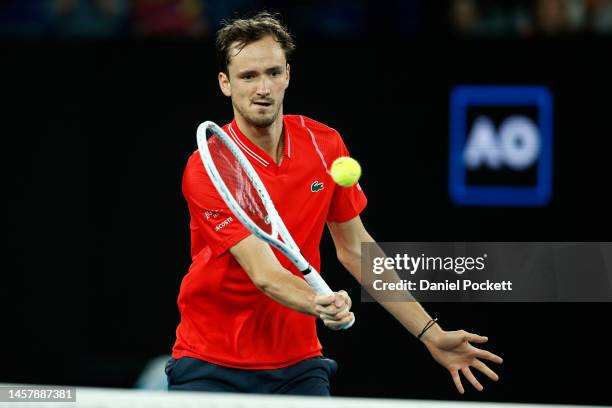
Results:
<point x="454" y="352"/>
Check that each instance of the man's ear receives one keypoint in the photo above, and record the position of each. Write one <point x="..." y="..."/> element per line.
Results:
<point x="288" y="75"/>
<point x="224" y="84"/>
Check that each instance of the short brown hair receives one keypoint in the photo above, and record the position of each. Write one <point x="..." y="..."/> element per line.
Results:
<point x="249" y="30"/>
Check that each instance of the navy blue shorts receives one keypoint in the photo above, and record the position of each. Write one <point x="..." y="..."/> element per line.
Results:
<point x="308" y="377"/>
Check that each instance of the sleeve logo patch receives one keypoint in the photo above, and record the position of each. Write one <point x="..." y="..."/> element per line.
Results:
<point x="214" y="214"/>
<point x="224" y="223"/>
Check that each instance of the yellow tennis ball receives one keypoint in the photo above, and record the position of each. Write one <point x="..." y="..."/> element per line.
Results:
<point x="345" y="171"/>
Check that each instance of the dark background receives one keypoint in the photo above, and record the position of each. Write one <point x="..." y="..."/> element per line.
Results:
<point x="95" y="136"/>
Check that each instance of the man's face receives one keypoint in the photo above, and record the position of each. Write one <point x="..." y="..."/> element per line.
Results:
<point x="258" y="77"/>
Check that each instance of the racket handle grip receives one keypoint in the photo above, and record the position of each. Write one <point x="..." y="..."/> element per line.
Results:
<point x="317" y="283"/>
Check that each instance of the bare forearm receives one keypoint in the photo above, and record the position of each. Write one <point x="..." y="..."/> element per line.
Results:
<point x="407" y="311"/>
<point x="269" y="276"/>
<point x="291" y="291"/>
<point x="412" y="316"/>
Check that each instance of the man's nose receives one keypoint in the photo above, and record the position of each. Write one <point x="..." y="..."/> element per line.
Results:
<point x="263" y="87"/>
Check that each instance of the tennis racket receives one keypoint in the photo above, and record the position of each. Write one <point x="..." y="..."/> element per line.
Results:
<point x="244" y="193"/>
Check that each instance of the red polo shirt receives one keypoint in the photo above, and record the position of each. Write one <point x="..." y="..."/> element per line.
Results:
<point x="225" y="319"/>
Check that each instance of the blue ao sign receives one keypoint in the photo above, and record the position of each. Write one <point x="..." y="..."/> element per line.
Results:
<point x="500" y="145"/>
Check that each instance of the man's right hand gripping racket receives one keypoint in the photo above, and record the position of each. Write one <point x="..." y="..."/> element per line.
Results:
<point x="244" y="193"/>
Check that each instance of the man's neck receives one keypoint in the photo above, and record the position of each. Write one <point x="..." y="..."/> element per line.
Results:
<point x="268" y="138"/>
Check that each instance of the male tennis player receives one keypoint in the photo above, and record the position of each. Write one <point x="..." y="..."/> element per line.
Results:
<point x="248" y="318"/>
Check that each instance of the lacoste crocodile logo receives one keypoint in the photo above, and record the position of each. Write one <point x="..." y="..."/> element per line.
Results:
<point x="316" y="186"/>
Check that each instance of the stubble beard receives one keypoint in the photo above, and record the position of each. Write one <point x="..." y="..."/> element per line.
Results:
<point x="260" y="121"/>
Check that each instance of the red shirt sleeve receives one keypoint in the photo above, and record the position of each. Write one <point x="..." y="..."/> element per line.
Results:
<point x="347" y="202"/>
<point x="210" y="216"/>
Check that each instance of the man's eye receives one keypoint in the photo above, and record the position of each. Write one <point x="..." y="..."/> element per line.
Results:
<point x="247" y="77"/>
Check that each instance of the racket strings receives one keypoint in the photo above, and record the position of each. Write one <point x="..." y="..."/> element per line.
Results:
<point x="238" y="183"/>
